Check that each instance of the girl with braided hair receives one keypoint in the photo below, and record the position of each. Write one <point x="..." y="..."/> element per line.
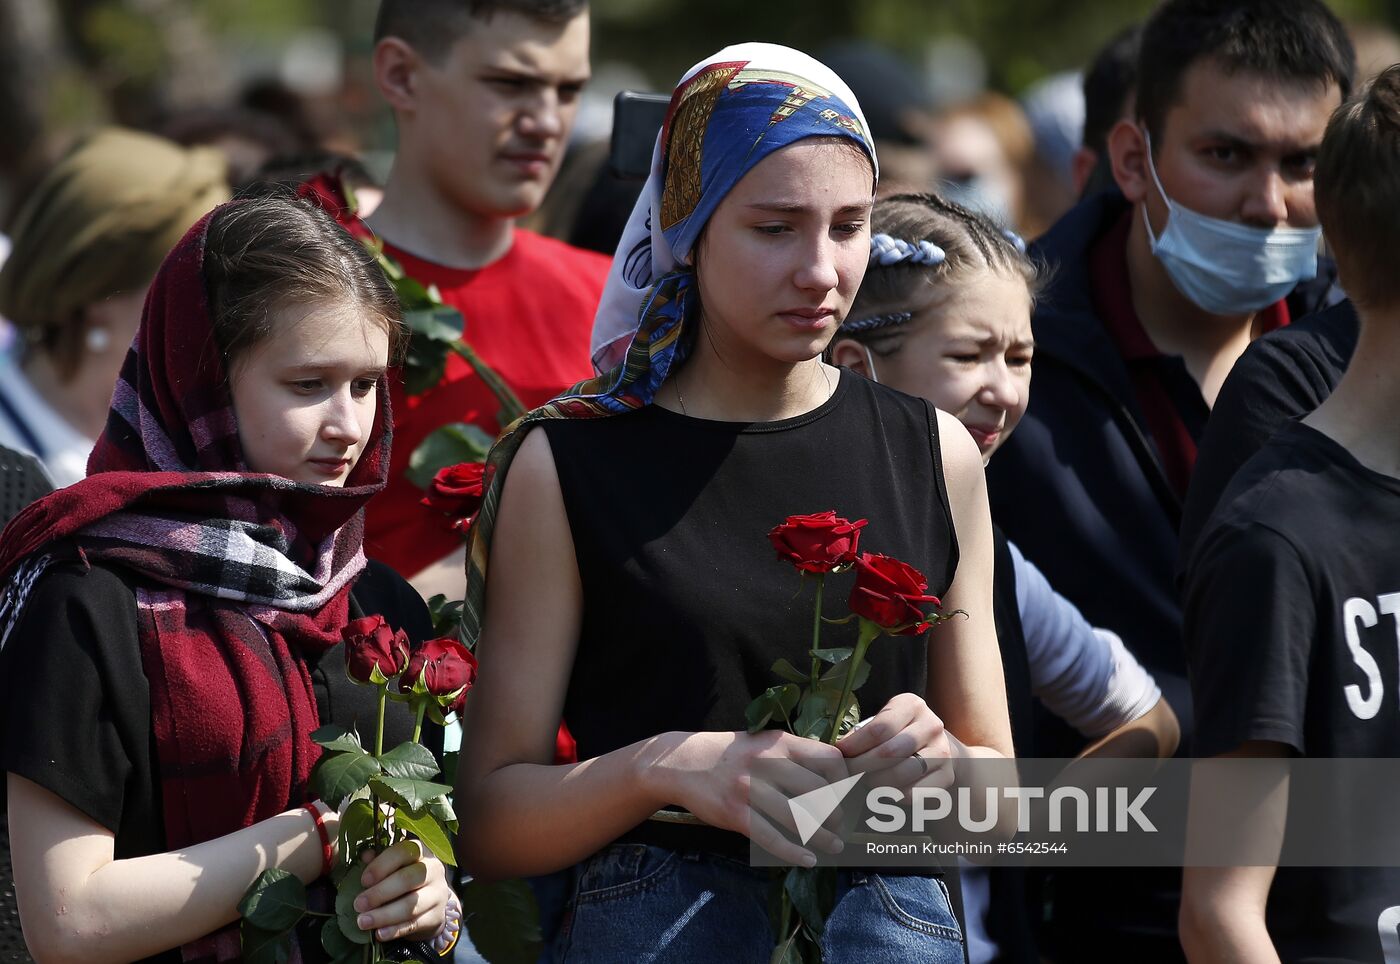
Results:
<point x="944" y="313"/>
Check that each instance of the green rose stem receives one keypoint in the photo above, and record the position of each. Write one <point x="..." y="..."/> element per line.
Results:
<point x="868" y="632"/>
<point x="419" y="708"/>
<point x="372" y="949"/>
<point x="511" y="407"/>
<point x="817" y="627"/>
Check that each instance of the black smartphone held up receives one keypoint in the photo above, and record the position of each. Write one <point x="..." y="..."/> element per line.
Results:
<point x="637" y="119"/>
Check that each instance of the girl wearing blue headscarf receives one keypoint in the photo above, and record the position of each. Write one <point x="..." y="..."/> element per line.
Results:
<point x="633" y="590"/>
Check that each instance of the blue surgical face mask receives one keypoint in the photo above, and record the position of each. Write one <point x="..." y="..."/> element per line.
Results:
<point x="1225" y="267"/>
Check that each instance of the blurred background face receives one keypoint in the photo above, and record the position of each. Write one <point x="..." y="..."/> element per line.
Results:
<point x="980" y="151"/>
<point x="967" y="350"/>
<point x="117" y="318"/>
<point x="490" y="123"/>
<point x="306" y="397"/>
<point x="781" y="258"/>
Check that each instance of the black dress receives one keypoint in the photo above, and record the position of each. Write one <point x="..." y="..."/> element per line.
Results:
<point x="686" y="605"/>
<point x="76" y="717"/>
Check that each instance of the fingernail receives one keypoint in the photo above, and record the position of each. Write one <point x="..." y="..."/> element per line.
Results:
<point x="809" y="860"/>
<point x="364" y="921"/>
<point x="361" y="903"/>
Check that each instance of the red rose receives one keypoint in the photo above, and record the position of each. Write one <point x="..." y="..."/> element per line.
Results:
<point x="818" y="542"/>
<point x="371" y="643"/>
<point x="446" y="667"/>
<point x="456" y="491"/>
<point x="888" y="592"/>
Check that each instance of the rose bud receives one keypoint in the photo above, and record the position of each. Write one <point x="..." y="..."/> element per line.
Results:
<point x="373" y="647"/>
<point x="456" y="491"/>
<point x="889" y="593"/>
<point x="443" y="667"/>
<point x="820" y="542"/>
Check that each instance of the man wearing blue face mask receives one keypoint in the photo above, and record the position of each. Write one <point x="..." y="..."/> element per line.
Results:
<point x="1209" y="241"/>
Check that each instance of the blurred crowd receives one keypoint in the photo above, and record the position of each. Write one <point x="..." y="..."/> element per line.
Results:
<point x="507" y="197"/>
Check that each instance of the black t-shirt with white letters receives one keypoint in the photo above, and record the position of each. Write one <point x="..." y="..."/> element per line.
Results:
<point x="1292" y="609"/>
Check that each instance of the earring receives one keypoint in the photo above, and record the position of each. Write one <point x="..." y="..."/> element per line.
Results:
<point x="97" y="340"/>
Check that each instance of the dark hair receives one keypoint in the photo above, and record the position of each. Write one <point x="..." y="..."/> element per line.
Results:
<point x="1109" y="86"/>
<point x="971" y="242"/>
<point x="431" y="27"/>
<point x="265" y="253"/>
<point x="1357" y="189"/>
<point x="1299" y="40"/>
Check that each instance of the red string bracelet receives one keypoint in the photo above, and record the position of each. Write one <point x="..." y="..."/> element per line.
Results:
<point x="318" y="814"/>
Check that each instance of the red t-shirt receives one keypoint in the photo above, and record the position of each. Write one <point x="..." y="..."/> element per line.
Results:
<point x="529" y="316"/>
<point x="1170" y="399"/>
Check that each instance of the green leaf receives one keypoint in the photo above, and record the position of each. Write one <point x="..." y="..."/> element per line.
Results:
<point x="275" y="902"/>
<point x="426" y="828"/>
<point x="444" y="446"/>
<point x="775" y="701"/>
<point x="411" y="794"/>
<point x="345" y="912"/>
<point x="437" y="323"/>
<point x="836" y="675"/>
<point x="789" y="672"/>
<point x="833" y="655"/>
<point x="446" y="615"/>
<point x="813" y="893"/>
<point x="424" y="364"/>
<point x="264" y="947"/>
<point x="503" y="921"/>
<point x="336" y="944"/>
<point x="815" y="711"/>
<point x="338" y="738"/>
<point x="441" y="808"/>
<point x="338" y="775"/>
<point x="787" y="952"/>
<point x="412" y="294"/>
<point x="356" y="829"/>
<point x="410" y="760"/>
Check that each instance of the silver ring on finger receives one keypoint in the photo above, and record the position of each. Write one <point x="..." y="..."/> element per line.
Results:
<point x="924" y="762"/>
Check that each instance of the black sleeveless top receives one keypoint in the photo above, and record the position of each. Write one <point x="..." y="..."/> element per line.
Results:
<point x="686" y="605"/>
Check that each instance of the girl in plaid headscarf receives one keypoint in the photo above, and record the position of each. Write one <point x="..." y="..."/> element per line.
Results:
<point x="170" y="625"/>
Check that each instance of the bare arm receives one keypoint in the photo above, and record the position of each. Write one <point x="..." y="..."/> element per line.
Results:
<point x="79" y="904"/>
<point x="1222" y="908"/>
<point x="966" y="687"/>
<point x="525" y="815"/>
<point x="1154" y="734"/>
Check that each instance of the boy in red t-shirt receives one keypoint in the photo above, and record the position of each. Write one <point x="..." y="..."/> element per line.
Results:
<point x="484" y="95"/>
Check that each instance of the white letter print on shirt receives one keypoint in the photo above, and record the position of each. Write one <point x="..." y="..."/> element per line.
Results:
<point x="1368" y="706"/>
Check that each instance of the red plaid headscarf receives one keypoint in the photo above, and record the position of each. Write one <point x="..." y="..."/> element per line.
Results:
<point x="241" y="573"/>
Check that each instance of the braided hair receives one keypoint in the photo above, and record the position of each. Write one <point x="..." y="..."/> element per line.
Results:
<point x="923" y="239"/>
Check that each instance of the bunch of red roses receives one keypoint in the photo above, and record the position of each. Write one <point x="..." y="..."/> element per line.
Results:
<point x="888" y="598"/>
<point x="391" y="794"/>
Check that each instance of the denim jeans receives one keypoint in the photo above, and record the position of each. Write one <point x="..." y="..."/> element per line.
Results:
<point x="632" y="902"/>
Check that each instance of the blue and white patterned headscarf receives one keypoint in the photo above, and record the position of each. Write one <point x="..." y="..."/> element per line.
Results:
<point x="728" y="112"/>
